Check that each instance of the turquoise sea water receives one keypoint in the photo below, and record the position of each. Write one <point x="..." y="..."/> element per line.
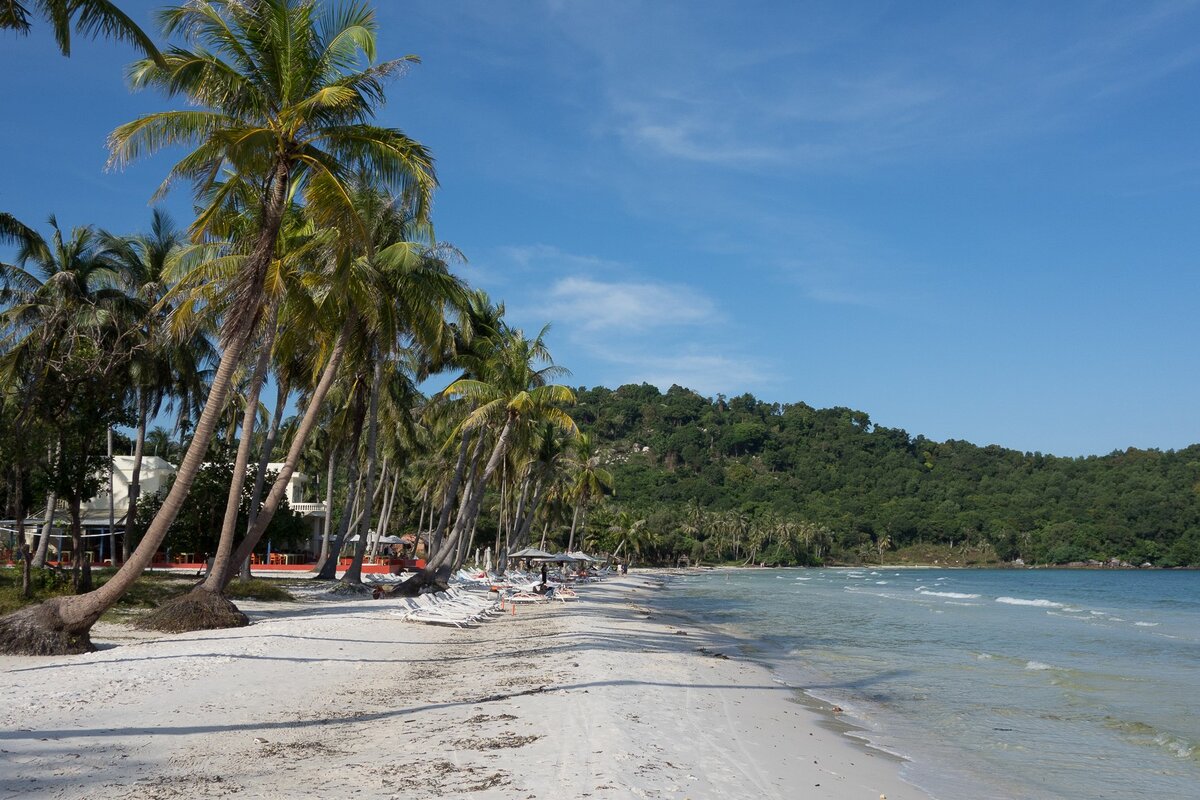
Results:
<point x="995" y="683"/>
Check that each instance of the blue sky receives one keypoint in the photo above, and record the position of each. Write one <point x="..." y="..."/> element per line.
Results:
<point x="970" y="220"/>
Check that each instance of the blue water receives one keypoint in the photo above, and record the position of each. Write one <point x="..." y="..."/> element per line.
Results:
<point x="996" y="684"/>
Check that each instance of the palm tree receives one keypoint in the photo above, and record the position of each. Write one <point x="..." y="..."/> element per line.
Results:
<point x="280" y="93"/>
<point x="171" y="363"/>
<point x="630" y="535"/>
<point x="418" y="289"/>
<point x="88" y="17"/>
<point x="516" y="394"/>
<point x="591" y="481"/>
<point x="67" y="325"/>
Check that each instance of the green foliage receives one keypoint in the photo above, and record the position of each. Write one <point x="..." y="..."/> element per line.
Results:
<point x="197" y="528"/>
<point x="711" y="476"/>
<point x="45" y="583"/>
<point x="257" y="589"/>
<point x="150" y="590"/>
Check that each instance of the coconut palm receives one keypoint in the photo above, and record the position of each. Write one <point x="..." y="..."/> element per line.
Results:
<point x="88" y="17"/>
<point x="592" y="481"/>
<point x="279" y="93"/>
<point x="395" y="288"/>
<point x="393" y="335"/>
<point x="171" y="365"/>
<point x="67" y="334"/>
<point x="516" y="393"/>
<point x="630" y="535"/>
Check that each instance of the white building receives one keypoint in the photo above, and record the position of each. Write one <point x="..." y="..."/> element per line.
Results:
<point x="154" y="478"/>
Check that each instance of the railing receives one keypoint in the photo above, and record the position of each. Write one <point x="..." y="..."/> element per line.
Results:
<point x="307" y="508"/>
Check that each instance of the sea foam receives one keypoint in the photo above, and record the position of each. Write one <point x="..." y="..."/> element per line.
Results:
<point x="954" y="595"/>
<point x="1018" y="601"/>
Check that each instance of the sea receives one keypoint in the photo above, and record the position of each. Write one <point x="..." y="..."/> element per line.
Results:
<point x="991" y="684"/>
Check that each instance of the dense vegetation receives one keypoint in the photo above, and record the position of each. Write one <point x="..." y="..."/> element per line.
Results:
<point x="697" y="469"/>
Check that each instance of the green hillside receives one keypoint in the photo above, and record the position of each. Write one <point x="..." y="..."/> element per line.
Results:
<point x="738" y="478"/>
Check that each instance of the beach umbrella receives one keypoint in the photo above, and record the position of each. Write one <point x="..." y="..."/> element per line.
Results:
<point x="389" y="539"/>
<point x="531" y="552"/>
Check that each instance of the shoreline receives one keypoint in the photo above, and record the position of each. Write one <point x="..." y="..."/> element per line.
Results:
<point x="608" y="697"/>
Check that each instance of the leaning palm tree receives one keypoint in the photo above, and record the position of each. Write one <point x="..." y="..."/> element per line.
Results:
<point x="172" y="361"/>
<point x="88" y="17"/>
<point x="280" y="93"/>
<point x="516" y="394"/>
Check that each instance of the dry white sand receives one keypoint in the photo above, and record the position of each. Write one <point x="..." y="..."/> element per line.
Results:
<point x="603" y="698"/>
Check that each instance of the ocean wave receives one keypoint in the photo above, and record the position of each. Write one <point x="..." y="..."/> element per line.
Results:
<point x="1040" y="603"/>
<point x="1039" y="666"/>
<point x="1146" y="624"/>
<point x="1145" y="734"/>
<point x="1181" y="748"/>
<point x="954" y="595"/>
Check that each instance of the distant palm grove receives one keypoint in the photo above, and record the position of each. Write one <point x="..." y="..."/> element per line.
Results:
<point x="311" y="273"/>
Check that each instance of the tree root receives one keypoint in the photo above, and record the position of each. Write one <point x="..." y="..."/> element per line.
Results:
<point x="344" y="589"/>
<point x="413" y="586"/>
<point x="198" y="610"/>
<point x="39" y="630"/>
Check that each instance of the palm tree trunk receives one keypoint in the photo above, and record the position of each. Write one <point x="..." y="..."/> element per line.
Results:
<point x="264" y="457"/>
<point x="112" y="508"/>
<point x="514" y="531"/>
<point x="327" y="570"/>
<point x="43" y="545"/>
<point x="354" y="573"/>
<point x="451" y="495"/>
<point x="574" y="520"/>
<point x="19" y="503"/>
<point x="385" y="519"/>
<point x="423" y="509"/>
<point x="527" y="522"/>
<point x="450" y="545"/>
<point x="384" y="493"/>
<point x="473" y="498"/>
<point x="135" y="480"/>
<point x="330" y="473"/>
<point x="275" y="496"/>
<point x="221" y="564"/>
<point x="79" y="565"/>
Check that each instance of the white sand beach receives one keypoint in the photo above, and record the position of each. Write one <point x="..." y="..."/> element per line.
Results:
<point x="601" y="698"/>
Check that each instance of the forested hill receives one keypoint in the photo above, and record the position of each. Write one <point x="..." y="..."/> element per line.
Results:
<point x="697" y="469"/>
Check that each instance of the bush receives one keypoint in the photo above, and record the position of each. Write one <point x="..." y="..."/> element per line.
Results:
<point x="256" y="589"/>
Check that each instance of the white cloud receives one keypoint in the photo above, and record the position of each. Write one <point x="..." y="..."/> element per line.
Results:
<point x="623" y="306"/>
